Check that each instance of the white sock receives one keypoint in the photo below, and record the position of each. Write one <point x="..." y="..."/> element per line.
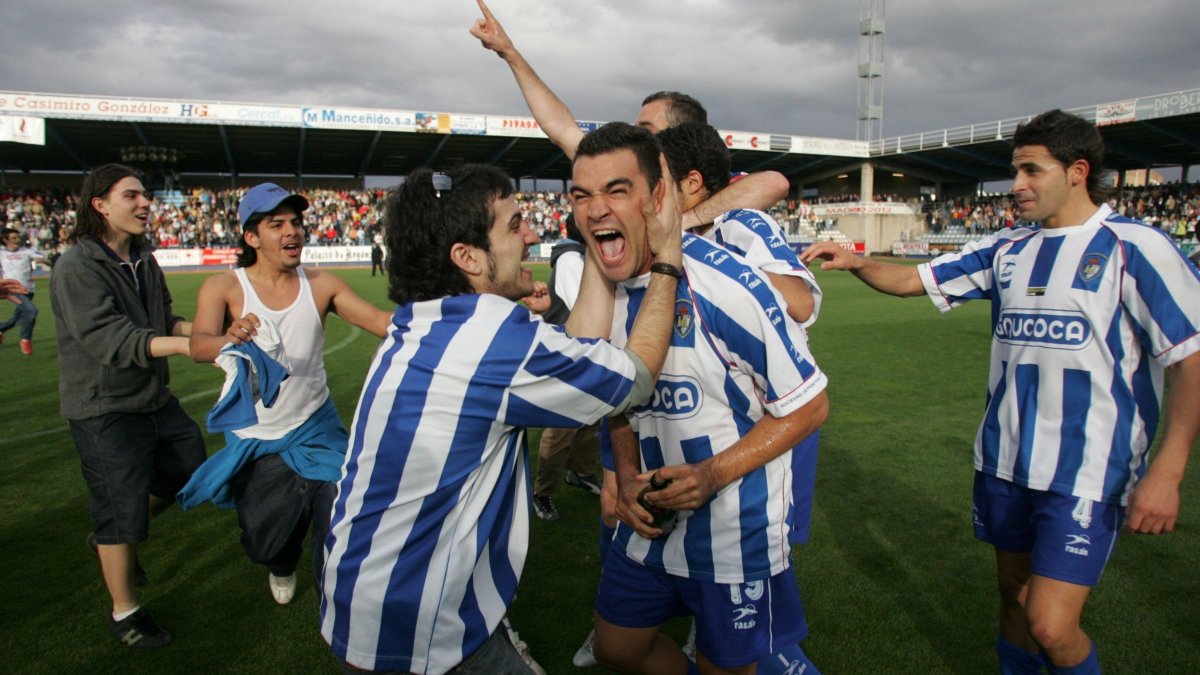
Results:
<point x="126" y="614"/>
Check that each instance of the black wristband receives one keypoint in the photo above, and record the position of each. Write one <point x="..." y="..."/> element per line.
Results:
<point x="667" y="269"/>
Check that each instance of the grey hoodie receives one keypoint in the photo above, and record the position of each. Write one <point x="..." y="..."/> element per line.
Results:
<point x="104" y="332"/>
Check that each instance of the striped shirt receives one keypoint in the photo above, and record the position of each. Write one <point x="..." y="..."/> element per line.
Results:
<point x="734" y="357"/>
<point x="756" y="236"/>
<point x="1084" y="319"/>
<point x="431" y="524"/>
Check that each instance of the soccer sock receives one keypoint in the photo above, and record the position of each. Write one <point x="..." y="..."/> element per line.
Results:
<point x="1090" y="666"/>
<point x="606" y="537"/>
<point x="126" y="614"/>
<point x="791" y="660"/>
<point x="1016" y="661"/>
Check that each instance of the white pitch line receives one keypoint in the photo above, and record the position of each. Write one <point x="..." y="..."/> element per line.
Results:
<point x="355" y="331"/>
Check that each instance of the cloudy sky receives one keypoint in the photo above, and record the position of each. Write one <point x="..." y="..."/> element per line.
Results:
<point x="785" y="66"/>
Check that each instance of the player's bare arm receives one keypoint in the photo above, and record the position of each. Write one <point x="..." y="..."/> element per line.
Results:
<point x="796" y="294"/>
<point x="1154" y="502"/>
<point x="215" y="325"/>
<point x="890" y="278"/>
<point x="760" y="190"/>
<point x="349" y="305"/>
<point x="552" y="115"/>
<point x="692" y="485"/>
<point x="591" y="316"/>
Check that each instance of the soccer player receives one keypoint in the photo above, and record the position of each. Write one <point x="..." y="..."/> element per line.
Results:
<point x="279" y="470"/>
<point x="1088" y="309"/>
<point x="116" y="329"/>
<point x="431" y="524"/>
<point x="16" y="262"/>
<point x="738" y="390"/>
<point x="699" y="160"/>
<point x="659" y="110"/>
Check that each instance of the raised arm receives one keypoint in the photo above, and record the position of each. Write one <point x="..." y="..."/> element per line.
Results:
<point x="759" y="190"/>
<point x="890" y="278"/>
<point x="552" y="115"/>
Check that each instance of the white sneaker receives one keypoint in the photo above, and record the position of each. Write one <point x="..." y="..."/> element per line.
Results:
<point x="584" y="658"/>
<point x="689" y="648"/>
<point x="522" y="649"/>
<point x="283" y="588"/>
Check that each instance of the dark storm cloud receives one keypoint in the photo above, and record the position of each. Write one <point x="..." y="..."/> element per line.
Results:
<point x="769" y="65"/>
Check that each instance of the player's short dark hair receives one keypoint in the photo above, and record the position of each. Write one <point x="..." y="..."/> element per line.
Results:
<point x="681" y="108"/>
<point x="421" y="227"/>
<point x="90" y="223"/>
<point x="1068" y="138"/>
<point x="698" y="147"/>
<point x="616" y="136"/>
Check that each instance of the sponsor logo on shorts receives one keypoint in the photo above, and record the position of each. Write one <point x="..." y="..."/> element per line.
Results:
<point x="1044" y="328"/>
<point x="1076" y="544"/>
<point x="743" y="617"/>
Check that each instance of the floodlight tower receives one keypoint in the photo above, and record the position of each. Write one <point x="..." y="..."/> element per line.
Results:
<point x="870" y="70"/>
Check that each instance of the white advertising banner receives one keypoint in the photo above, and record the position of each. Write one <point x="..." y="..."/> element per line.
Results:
<point x="514" y="126"/>
<point x="147" y="110"/>
<point x="27" y="130"/>
<point x="315" y="255"/>
<point x="868" y="208"/>
<point x="809" y="145"/>
<point x="178" y="257"/>
<point x="359" y="118"/>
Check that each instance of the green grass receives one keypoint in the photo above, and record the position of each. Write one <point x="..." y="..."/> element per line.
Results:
<point x="893" y="580"/>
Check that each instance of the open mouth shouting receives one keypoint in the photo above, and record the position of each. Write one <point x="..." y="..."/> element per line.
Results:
<point x="611" y="246"/>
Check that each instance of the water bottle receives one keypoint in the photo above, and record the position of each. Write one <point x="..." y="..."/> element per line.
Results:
<point x="664" y="519"/>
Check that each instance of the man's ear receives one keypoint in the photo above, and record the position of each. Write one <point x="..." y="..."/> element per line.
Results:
<point x="692" y="183"/>
<point x="1078" y="171"/>
<point x="468" y="259"/>
<point x="251" y="237"/>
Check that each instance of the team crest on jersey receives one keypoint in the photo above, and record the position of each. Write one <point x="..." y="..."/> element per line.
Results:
<point x="685" y="318"/>
<point x="1092" y="266"/>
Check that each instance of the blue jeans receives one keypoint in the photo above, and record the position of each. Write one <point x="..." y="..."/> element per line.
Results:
<point x="25" y="315"/>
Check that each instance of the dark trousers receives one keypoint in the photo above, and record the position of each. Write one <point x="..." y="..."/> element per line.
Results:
<point x="275" y="508"/>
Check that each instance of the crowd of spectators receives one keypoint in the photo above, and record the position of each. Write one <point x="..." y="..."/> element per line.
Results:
<point x="208" y="219"/>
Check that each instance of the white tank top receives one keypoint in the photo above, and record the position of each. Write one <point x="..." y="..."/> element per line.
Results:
<point x="303" y="339"/>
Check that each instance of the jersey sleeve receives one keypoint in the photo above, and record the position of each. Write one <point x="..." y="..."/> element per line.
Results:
<point x="564" y="381"/>
<point x="954" y="278"/>
<point x="756" y="236"/>
<point x="749" y="328"/>
<point x="1159" y="289"/>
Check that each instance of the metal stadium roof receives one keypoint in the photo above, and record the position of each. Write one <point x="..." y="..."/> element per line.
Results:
<point x="251" y="140"/>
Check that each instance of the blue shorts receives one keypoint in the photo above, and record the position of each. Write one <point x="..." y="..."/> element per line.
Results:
<point x="1068" y="538"/>
<point x="736" y="624"/>
<point x="804" y="483"/>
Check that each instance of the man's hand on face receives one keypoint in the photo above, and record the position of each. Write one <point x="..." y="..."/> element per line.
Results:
<point x="663" y="218"/>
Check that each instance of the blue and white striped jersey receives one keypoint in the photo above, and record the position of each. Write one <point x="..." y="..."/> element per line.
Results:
<point x="1084" y="319"/>
<point x="756" y="236"/>
<point x="734" y="357"/>
<point x="431" y="524"/>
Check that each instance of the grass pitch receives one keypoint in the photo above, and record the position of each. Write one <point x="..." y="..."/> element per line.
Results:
<point x="893" y="579"/>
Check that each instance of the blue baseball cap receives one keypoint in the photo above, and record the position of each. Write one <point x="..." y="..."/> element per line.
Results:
<point x="266" y="198"/>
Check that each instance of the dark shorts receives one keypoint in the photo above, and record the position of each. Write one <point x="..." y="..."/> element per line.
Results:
<point x="1068" y="538"/>
<point x="129" y="456"/>
<point x="736" y="624"/>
